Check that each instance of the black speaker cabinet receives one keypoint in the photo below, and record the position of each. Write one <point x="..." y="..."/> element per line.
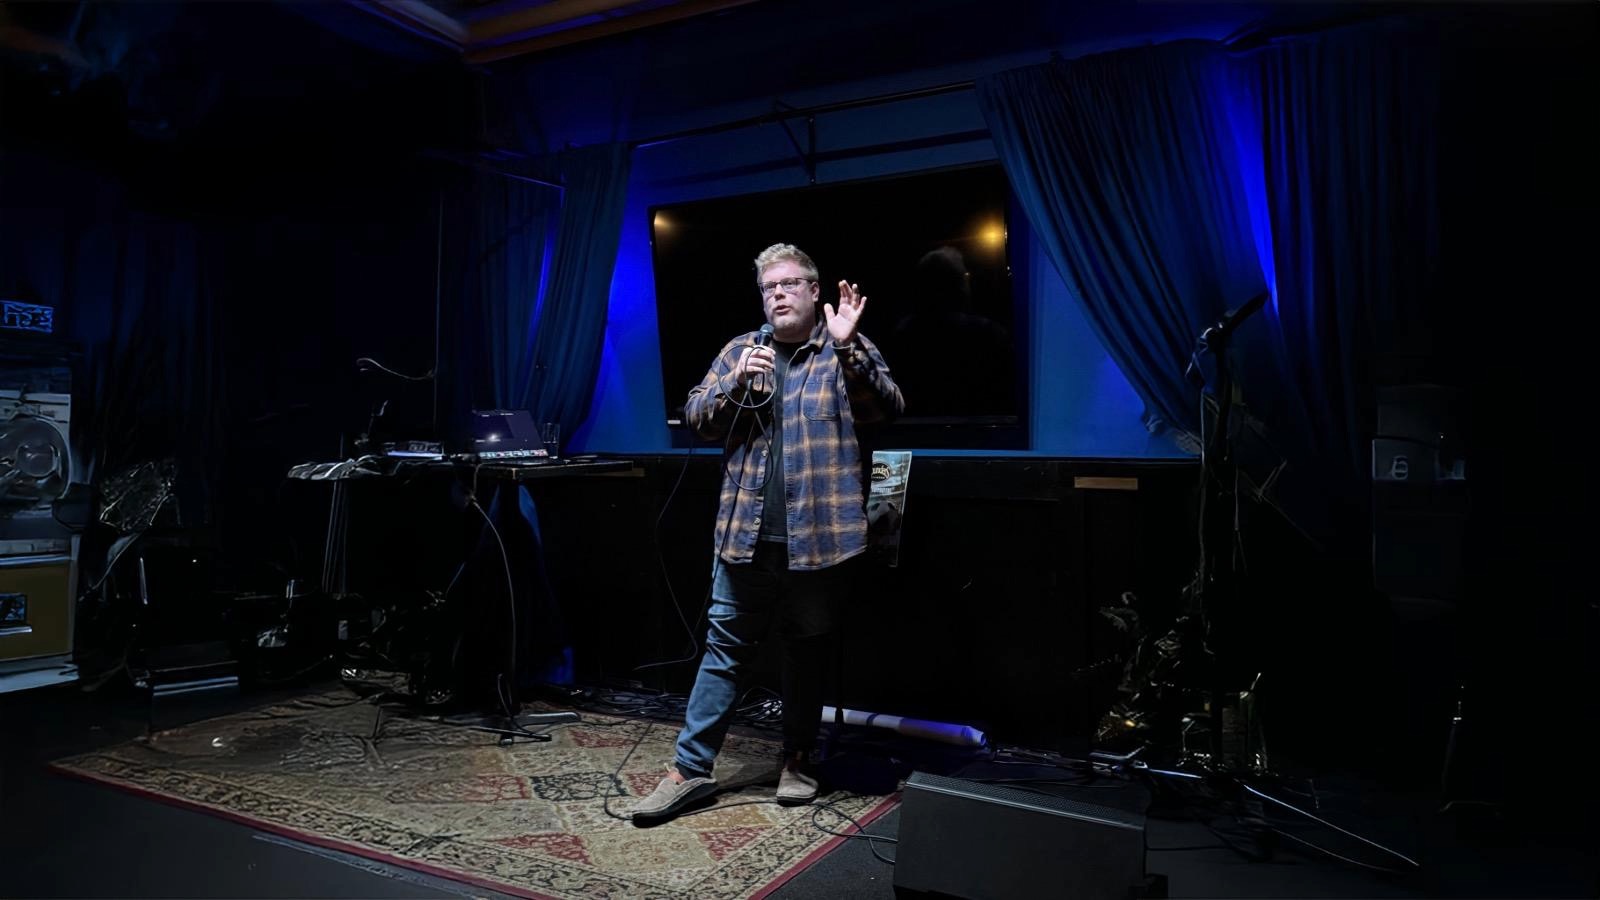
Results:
<point x="965" y="839"/>
<point x="1420" y="497"/>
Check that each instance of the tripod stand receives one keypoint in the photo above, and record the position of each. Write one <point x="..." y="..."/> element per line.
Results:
<point x="1227" y="776"/>
<point x="1176" y="684"/>
<point x="1215" y="591"/>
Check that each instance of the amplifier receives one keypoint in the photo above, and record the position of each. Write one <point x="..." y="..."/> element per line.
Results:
<point x="1420" y="494"/>
<point x="37" y="592"/>
<point x="965" y="839"/>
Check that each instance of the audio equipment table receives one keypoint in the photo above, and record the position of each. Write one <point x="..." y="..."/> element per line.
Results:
<point x="409" y="487"/>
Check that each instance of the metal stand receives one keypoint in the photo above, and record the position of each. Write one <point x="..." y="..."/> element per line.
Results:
<point x="1234" y="756"/>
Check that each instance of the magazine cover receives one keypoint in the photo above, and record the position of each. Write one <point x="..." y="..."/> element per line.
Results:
<point x="886" y="505"/>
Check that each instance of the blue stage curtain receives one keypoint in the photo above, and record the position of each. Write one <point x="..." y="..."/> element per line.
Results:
<point x="527" y="276"/>
<point x="497" y="241"/>
<point x="530" y="277"/>
<point x="1346" y="122"/>
<point x="1123" y="166"/>
<point x="1171" y="183"/>
<point x="572" y="311"/>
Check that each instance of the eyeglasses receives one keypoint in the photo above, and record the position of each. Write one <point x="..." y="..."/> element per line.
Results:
<point x="789" y="285"/>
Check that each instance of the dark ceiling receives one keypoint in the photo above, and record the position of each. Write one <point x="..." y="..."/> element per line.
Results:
<point x="345" y="73"/>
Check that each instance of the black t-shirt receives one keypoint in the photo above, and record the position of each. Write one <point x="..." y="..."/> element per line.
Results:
<point x="774" y="508"/>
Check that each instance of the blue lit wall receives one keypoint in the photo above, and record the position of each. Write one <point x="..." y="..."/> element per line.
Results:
<point x="1081" y="405"/>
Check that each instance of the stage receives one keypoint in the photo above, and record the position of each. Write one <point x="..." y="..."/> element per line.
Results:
<point x="67" y="836"/>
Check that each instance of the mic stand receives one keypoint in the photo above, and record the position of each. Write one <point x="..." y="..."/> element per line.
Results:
<point x="1215" y="591"/>
<point x="1224" y="778"/>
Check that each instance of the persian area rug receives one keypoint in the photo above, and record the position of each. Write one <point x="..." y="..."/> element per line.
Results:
<point x="526" y="819"/>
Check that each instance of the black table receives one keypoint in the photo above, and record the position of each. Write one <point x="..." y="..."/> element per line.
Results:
<point x="398" y="471"/>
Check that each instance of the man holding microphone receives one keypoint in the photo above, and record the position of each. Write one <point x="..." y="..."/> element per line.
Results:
<point x="787" y="402"/>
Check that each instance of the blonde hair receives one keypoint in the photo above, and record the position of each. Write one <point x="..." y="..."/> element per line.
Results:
<point x="778" y="253"/>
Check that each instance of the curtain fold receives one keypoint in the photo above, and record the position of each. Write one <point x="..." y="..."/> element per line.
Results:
<point x="529" y="277"/>
<point x="1171" y="183"/>
<point x="1346" y="122"/>
<point x="1121" y="163"/>
<point x="565" y="356"/>
<point x="497" y="232"/>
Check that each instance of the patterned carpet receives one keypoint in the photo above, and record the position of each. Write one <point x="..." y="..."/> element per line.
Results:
<point x="524" y="819"/>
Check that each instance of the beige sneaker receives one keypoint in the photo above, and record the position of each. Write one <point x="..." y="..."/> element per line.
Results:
<point x="794" y="786"/>
<point x="670" y="798"/>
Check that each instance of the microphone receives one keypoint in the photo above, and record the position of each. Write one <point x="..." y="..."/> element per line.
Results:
<point x="1215" y="337"/>
<point x="763" y="339"/>
<point x="1233" y="318"/>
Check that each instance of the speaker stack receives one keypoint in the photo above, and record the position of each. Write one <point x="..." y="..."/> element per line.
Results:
<point x="38" y="553"/>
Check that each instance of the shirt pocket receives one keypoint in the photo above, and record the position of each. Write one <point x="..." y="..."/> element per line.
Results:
<point x="819" y="396"/>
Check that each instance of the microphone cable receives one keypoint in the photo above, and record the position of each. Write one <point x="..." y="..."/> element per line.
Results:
<point x="692" y="631"/>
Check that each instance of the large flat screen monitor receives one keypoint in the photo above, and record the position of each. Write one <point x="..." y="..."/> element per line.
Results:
<point x="929" y="250"/>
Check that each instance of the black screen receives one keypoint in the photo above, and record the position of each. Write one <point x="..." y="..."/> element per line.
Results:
<point x="930" y="253"/>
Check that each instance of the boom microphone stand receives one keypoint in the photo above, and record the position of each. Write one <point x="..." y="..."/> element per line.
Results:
<point x="1215" y="593"/>
<point x="1220" y="779"/>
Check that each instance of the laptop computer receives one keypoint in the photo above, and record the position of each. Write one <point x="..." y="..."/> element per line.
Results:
<point x="506" y="435"/>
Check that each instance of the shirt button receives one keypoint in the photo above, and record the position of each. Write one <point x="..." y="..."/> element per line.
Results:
<point x="758" y="520"/>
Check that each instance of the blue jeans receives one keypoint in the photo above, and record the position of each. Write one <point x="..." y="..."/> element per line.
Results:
<point x="748" y="602"/>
